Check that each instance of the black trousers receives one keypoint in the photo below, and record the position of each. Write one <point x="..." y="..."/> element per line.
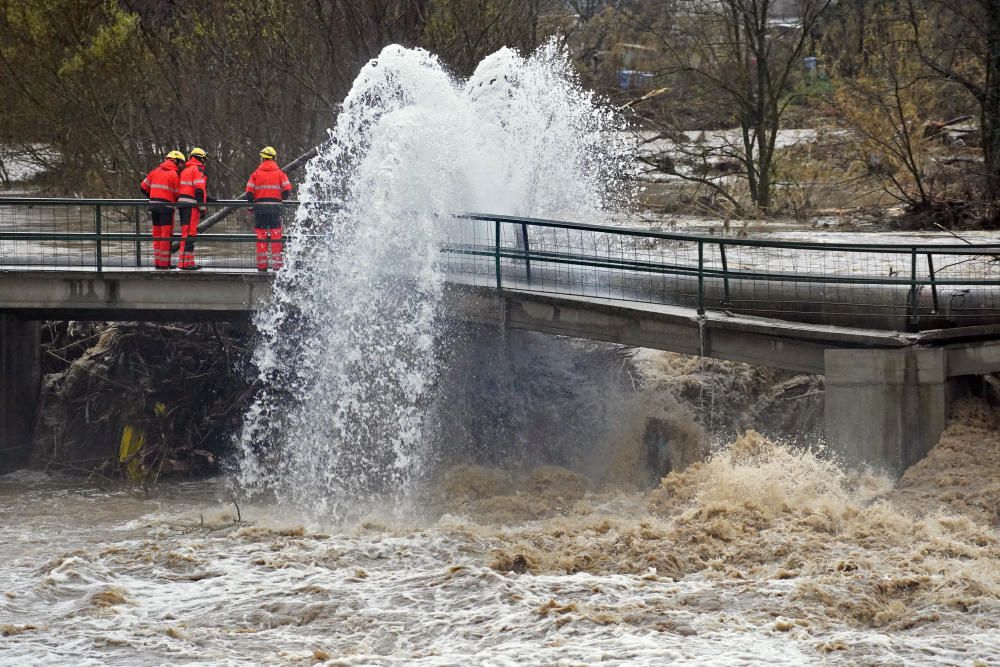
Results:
<point x="266" y="217"/>
<point x="162" y="214"/>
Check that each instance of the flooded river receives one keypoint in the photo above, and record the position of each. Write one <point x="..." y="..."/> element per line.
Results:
<point x="763" y="554"/>
<point x="758" y="554"/>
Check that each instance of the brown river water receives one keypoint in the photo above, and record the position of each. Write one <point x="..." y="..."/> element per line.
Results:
<point x="762" y="554"/>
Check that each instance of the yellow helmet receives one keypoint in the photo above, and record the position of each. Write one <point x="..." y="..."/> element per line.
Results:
<point x="198" y="153"/>
<point x="268" y="153"/>
<point x="175" y="155"/>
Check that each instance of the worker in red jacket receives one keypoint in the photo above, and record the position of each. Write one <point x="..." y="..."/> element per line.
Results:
<point x="193" y="190"/>
<point x="269" y="186"/>
<point x="161" y="186"/>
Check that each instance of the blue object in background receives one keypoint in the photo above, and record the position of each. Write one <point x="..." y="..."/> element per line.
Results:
<point x="630" y="79"/>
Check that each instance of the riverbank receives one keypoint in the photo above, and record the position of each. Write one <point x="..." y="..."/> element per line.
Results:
<point x="139" y="401"/>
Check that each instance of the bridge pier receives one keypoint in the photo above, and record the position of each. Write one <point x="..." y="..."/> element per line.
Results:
<point x="20" y="377"/>
<point x="886" y="408"/>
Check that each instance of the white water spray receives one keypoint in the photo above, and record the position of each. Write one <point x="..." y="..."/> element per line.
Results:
<point x="349" y="349"/>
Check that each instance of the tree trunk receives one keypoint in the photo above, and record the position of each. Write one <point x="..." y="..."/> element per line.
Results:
<point x="763" y="99"/>
<point x="990" y="120"/>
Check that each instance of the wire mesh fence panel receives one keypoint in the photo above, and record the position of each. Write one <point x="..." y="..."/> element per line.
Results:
<point x="468" y="253"/>
<point x="118" y="235"/>
<point x="45" y="236"/>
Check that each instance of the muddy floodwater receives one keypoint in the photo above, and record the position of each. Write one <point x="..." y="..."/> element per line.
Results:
<point x="763" y="554"/>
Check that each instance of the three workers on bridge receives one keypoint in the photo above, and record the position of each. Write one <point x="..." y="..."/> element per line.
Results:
<point x="176" y="181"/>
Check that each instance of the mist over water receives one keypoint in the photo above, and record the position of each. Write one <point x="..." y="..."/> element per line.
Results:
<point x="350" y="348"/>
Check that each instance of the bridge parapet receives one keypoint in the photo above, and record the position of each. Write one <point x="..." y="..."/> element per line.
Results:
<point x="904" y="287"/>
<point x="98" y="235"/>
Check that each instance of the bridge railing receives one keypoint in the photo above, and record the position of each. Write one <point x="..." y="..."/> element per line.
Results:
<point x="114" y="234"/>
<point x="882" y="285"/>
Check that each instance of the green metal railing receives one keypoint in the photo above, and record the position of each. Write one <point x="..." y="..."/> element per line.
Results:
<point x="863" y="284"/>
<point x="111" y="234"/>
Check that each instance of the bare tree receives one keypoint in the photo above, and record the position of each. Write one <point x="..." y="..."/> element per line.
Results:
<point x="737" y="60"/>
<point x="585" y="10"/>
<point x="960" y="42"/>
<point x="96" y="91"/>
<point x="885" y="105"/>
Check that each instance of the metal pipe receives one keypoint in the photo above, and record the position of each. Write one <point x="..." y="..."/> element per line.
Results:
<point x="527" y="252"/>
<point x="725" y="268"/>
<point x="138" y="243"/>
<point x="225" y="212"/>
<point x="934" y="291"/>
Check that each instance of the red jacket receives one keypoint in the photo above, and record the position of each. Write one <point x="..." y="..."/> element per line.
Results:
<point x="161" y="183"/>
<point x="268" y="183"/>
<point x="193" y="182"/>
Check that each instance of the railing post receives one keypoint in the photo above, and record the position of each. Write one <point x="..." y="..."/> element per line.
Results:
<point x="138" y="243"/>
<point x="97" y="231"/>
<point x="497" y="254"/>
<point x="527" y="251"/>
<point x="914" y="318"/>
<point x="725" y="269"/>
<point x="934" y="292"/>
<point x="701" y="278"/>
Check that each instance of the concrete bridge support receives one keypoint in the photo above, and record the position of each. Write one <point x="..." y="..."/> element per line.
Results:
<point x="20" y="375"/>
<point x="887" y="408"/>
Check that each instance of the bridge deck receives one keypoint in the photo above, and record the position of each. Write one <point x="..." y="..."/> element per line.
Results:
<point x="913" y="286"/>
<point x="89" y="259"/>
<point x="208" y="294"/>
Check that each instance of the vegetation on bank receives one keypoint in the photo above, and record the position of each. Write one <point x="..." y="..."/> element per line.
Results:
<point x="112" y="84"/>
<point x="904" y="95"/>
<point x="140" y="400"/>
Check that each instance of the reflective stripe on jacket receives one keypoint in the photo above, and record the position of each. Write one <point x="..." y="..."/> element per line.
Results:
<point x="161" y="184"/>
<point x="268" y="183"/>
<point x="193" y="179"/>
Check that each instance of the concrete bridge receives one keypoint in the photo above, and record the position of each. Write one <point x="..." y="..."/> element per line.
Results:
<point x="893" y="348"/>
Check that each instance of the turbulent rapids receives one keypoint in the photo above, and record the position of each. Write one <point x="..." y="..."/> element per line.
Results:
<point x="566" y="502"/>
<point x="760" y="555"/>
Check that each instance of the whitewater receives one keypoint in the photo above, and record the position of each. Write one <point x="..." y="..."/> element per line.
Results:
<point x="352" y="343"/>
